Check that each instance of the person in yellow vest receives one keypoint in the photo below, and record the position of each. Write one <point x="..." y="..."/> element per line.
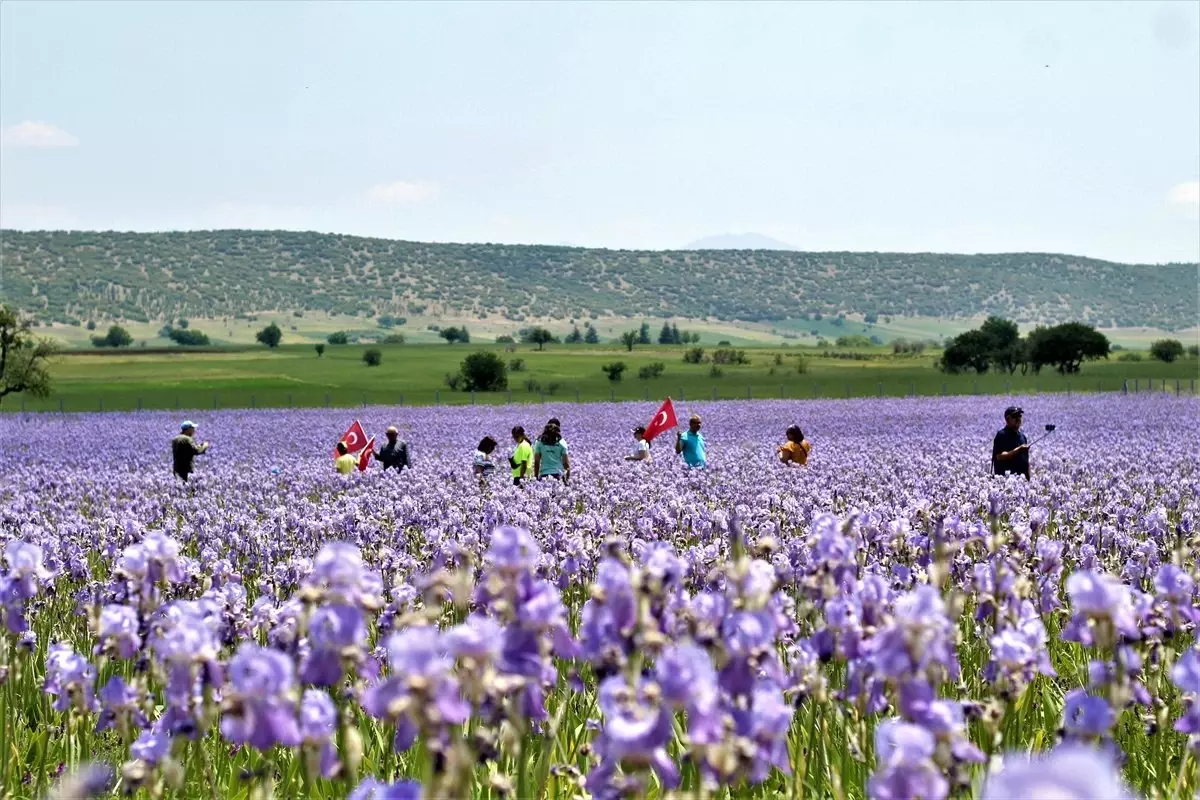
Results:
<point x="344" y="463"/>
<point x="796" y="449"/>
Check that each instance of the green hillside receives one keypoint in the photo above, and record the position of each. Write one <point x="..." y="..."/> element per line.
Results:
<point x="71" y="277"/>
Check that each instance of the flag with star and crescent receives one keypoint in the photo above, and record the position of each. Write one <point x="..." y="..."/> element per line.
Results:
<point x="664" y="420"/>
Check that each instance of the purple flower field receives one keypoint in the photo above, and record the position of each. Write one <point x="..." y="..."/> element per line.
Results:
<point x="888" y="622"/>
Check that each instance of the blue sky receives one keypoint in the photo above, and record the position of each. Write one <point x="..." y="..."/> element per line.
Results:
<point x="963" y="127"/>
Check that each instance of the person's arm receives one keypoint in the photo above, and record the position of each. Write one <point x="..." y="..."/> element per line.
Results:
<point x="1009" y="455"/>
<point x="524" y="468"/>
<point x="200" y="448"/>
<point x="537" y="463"/>
<point x="566" y="466"/>
<point x="785" y="455"/>
<point x="678" y="442"/>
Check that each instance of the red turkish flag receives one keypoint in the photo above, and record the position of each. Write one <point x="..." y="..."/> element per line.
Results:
<point x="354" y="437"/>
<point x="664" y="420"/>
<point x="364" y="457"/>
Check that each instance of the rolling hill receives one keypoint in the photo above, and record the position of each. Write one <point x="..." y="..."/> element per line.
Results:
<point x="69" y="277"/>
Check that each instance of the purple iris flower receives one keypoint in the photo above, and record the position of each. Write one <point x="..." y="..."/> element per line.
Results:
<point x="905" y="767"/>
<point x="1069" y="772"/>
<point x="1087" y="716"/>
<point x="688" y="680"/>
<point x="512" y="550"/>
<point x="479" y="637"/>
<point x="318" y="727"/>
<point x="373" y="789"/>
<point x="152" y="744"/>
<point x="1186" y="675"/>
<point x="119" y="701"/>
<point x="120" y="629"/>
<point x="765" y="722"/>
<point x="261" y="683"/>
<point x="70" y="679"/>
<point x="26" y="568"/>
<point x="635" y="735"/>
<point x="1098" y="597"/>
<point x="332" y="631"/>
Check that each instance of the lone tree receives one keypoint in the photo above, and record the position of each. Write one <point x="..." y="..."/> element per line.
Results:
<point x="483" y="372"/>
<point x="539" y="336"/>
<point x="338" y="337"/>
<point x="452" y="335"/>
<point x="23" y="358"/>
<point x="1167" y="350"/>
<point x="270" y="336"/>
<point x="1066" y="346"/>
<point x="116" y="337"/>
<point x="320" y="348"/>
<point x="372" y="357"/>
<point x="629" y="339"/>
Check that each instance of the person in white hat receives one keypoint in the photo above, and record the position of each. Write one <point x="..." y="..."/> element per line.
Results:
<point x="185" y="448"/>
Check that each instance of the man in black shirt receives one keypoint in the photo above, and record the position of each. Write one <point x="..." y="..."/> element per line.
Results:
<point x="394" y="453"/>
<point x="1010" y="448"/>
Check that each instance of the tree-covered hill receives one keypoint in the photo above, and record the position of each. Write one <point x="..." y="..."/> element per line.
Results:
<point x="74" y="276"/>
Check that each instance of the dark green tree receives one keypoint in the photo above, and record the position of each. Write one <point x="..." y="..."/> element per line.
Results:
<point x="188" y="338"/>
<point x="575" y="336"/>
<point x="969" y="350"/>
<point x="271" y="336"/>
<point x="591" y="335"/>
<point x="1065" y="347"/>
<point x="320" y="348"/>
<point x="614" y="370"/>
<point x="483" y="372"/>
<point x="664" y="335"/>
<point x="372" y="357"/>
<point x="629" y="339"/>
<point x="1167" y="350"/>
<point x="537" y="335"/>
<point x="337" y="337"/>
<point x="23" y="357"/>
<point x="116" y="337"/>
<point x="644" y="334"/>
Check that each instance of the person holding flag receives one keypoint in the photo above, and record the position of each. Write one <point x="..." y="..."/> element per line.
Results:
<point x="345" y="462"/>
<point x="395" y="453"/>
<point x="690" y="444"/>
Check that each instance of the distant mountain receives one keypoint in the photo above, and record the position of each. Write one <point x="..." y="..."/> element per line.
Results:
<point x="738" y="241"/>
<point x="73" y="277"/>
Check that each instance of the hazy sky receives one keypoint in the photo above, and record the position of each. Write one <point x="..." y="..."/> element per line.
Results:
<point x="941" y="126"/>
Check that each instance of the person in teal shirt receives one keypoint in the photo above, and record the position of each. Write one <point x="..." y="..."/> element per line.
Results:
<point x="550" y="456"/>
<point x="690" y="445"/>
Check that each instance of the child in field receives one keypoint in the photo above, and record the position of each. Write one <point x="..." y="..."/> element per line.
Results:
<point x="345" y="462"/>
<point x="641" y="447"/>
<point x="482" y="465"/>
<point x="550" y="456"/>
<point x="796" y="449"/>
<point x="522" y="456"/>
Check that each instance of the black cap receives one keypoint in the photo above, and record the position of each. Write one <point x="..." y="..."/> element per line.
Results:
<point x="1013" y="411"/>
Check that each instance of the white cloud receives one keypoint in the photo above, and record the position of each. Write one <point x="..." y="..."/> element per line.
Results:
<point x="1185" y="194"/>
<point x="402" y="192"/>
<point x="36" y="134"/>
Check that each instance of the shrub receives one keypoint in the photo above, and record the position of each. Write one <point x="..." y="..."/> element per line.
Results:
<point x="694" y="355"/>
<point x="726" y="356"/>
<point x="91" y="326"/>
<point x="320" y="348"/>
<point x="372" y="357"/>
<point x="453" y="381"/>
<point x="651" y="370"/>
<point x="505" y="339"/>
<point x="116" y="337"/>
<point x="614" y="371"/>
<point x="1193" y="351"/>
<point x="1167" y="350"/>
<point x="188" y="338"/>
<point x="484" y="372"/>
<point x="855" y="340"/>
<point x="339" y="337"/>
<point x="1129" y="355"/>
<point x="715" y="372"/>
<point x="723" y="343"/>
<point x="271" y="336"/>
<point x="393" y="338"/>
<point x="516" y="365"/>
<point x="532" y="385"/>
<point x="552" y="387"/>
<point x="801" y="366"/>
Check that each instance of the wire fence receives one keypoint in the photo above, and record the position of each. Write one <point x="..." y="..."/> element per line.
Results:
<point x="616" y="392"/>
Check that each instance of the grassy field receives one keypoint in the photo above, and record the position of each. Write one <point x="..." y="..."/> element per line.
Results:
<point x="414" y="375"/>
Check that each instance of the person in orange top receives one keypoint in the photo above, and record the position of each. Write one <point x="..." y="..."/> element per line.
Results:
<point x="796" y="449"/>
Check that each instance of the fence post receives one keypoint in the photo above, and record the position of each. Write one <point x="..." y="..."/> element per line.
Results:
<point x="472" y="397"/>
<point x="1177" y="387"/>
<point x="510" y="395"/>
<point x="327" y="399"/>
<point x="60" y="405"/>
<point x="576" y="394"/>
<point x="541" y="396"/>
<point x="1068" y="387"/>
<point x="646" y="392"/>
<point x="253" y="401"/>
<point x="847" y="391"/>
<point x="1037" y="385"/>
<point x="1136" y="381"/>
<point x="22" y="405"/>
<point x="912" y="388"/>
<point x="881" y="388"/>
<point x="714" y="394"/>
<point x="290" y="399"/>
<point x="176" y="402"/>
<point x="139" y="402"/>
<point x="1125" y="386"/>
<point x="975" y="387"/>
<point x="215" y="402"/>
<point x="612" y="395"/>
<point x="681" y="397"/>
<point x="1098" y="389"/>
<point x="943" y="388"/>
<point x="781" y="391"/>
<point x="747" y="392"/>
<point x="437" y="397"/>
<point x="364" y="399"/>
<point x="101" y="403"/>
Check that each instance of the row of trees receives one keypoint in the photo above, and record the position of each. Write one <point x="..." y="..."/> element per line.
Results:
<point x="998" y="344"/>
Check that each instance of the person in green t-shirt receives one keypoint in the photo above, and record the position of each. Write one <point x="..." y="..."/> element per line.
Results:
<point x="550" y="456"/>
<point x="522" y="455"/>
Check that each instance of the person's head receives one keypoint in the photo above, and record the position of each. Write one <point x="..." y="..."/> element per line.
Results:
<point x="391" y="433"/>
<point x="342" y="449"/>
<point x="486" y="445"/>
<point x="554" y="421"/>
<point x="188" y="428"/>
<point x="639" y="432"/>
<point x="518" y="434"/>
<point x="1013" y="416"/>
<point x="794" y="434"/>
<point x="551" y="434"/>
<point x="694" y="423"/>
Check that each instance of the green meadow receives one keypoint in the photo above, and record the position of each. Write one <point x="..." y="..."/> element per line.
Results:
<point x="414" y="374"/>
